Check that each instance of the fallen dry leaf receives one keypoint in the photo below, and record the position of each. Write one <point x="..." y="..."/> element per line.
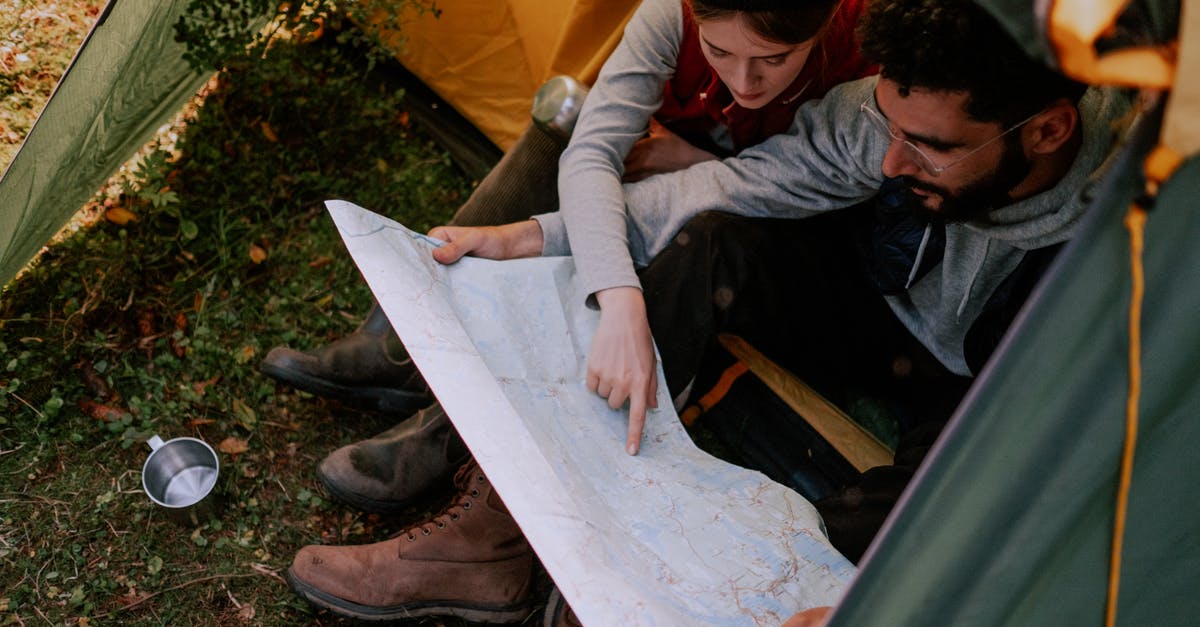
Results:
<point x="233" y="446"/>
<point x="120" y="216"/>
<point x="201" y="386"/>
<point x="198" y="422"/>
<point x="320" y="262"/>
<point x="145" y="323"/>
<point x="257" y="253"/>
<point x="268" y="132"/>
<point x="100" y="411"/>
<point x="133" y="597"/>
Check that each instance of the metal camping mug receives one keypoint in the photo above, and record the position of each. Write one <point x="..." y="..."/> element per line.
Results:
<point x="180" y="475"/>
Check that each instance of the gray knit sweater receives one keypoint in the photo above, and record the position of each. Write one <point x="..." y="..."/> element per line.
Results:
<point x="830" y="159"/>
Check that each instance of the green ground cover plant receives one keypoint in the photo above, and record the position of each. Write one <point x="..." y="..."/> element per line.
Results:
<point x="214" y="249"/>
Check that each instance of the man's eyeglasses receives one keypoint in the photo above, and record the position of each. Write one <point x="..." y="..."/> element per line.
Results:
<point x="916" y="154"/>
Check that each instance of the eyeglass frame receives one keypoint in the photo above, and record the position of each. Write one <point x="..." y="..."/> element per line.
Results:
<point x="923" y="160"/>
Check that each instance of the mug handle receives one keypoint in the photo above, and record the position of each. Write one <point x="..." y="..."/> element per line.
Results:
<point x="154" y="442"/>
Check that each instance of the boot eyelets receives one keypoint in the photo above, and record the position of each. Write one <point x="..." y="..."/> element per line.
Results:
<point x="474" y="494"/>
<point x="425" y="531"/>
<point x="454" y="516"/>
<point x="466" y="505"/>
<point x="412" y="538"/>
<point x="480" y="478"/>
<point x="441" y="525"/>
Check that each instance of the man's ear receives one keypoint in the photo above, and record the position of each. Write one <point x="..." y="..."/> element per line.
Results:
<point x="1050" y="129"/>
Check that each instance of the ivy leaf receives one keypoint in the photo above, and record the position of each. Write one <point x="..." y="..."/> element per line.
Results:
<point x="188" y="229"/>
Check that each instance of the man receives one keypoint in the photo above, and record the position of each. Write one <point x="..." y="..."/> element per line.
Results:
<point x="980" y="154"/>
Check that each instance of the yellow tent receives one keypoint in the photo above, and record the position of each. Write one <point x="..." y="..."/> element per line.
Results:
<point x="487" y="58"/>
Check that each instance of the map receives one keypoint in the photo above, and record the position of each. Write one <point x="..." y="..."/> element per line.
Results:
<point x="668" y="537"/>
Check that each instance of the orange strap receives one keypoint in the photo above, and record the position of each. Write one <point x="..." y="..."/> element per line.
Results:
<point x="1135" y="221"/>
<point x="714" y="396"/>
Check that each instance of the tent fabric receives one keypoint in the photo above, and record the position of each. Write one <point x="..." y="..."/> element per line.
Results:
<point x="1009" y="522"/>
<point x="488" y="57"/>
<point x="127" y="80"/>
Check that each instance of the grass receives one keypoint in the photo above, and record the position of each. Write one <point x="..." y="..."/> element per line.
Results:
<point x="153" y="320"/>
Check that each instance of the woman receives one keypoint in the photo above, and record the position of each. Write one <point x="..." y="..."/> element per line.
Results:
<point x="705" y="79"/>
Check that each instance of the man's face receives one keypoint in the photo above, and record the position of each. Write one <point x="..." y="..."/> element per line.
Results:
<point x="936" y="122"/>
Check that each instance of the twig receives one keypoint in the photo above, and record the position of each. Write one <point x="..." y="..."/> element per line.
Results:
<point x="26" y="403"/>
<point x="171" y="589"/>
<point x="39" y="613"/>
<point x="268" y="571"/>
<point x="19" y="447"/>
<point x="232" y="598"/>
<point x="29" y="498"/>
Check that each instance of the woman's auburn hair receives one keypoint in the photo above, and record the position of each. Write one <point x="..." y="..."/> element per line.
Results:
<point x="780" y="21"/>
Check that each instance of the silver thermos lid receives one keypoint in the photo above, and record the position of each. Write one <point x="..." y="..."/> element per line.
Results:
<point x="557" y="103"/>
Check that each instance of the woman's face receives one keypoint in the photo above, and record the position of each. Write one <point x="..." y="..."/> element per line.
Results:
<point x="754" y="69"/>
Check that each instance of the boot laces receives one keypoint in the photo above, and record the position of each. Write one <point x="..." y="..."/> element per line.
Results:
<point x="468" y="479"/>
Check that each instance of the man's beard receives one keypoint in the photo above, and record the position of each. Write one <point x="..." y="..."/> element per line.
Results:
<point x="974" y="201"/>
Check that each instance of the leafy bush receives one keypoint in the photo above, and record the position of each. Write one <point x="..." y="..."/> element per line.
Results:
<point x="218" y="31"/>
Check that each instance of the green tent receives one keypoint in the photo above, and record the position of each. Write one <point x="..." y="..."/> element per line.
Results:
<point x="128" y="78"/>
<point x="1010" y="520"/>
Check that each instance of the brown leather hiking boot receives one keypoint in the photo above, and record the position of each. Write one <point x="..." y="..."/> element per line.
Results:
<point x="470" y="561"/>
<point x="369" y="367"/>
<point x="383" y="474"/>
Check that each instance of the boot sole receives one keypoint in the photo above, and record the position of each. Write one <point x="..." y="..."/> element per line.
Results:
<point x="376" y="506"/>
<point x="385" y="400"/>
<point x="475" y="613"/>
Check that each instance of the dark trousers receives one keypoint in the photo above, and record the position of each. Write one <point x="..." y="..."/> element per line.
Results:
<point x="796" y="290"/>
<point x="523" y="183"/>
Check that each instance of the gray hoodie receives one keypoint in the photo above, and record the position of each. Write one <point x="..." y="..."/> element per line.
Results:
<point x="831" y="159"/>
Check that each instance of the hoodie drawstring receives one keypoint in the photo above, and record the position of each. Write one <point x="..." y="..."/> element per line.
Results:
<point x="912" y="274"/>
<point x="962" y="306"/>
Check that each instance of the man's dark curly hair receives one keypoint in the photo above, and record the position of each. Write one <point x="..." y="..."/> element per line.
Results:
<point x="956" y="45"/>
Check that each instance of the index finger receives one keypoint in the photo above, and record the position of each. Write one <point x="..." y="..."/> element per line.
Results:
<point x="637" y="422"/>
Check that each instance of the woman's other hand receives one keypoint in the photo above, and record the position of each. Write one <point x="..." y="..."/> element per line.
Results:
<point x="661" y="151"/>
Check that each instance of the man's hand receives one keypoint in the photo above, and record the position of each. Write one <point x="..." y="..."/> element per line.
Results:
<point x="509" y="241"/>
<point x="661" y="151"/>
<point x="621" y="364"/>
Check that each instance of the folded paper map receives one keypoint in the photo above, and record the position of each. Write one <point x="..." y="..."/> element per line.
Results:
<point x="671" y="536"/>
